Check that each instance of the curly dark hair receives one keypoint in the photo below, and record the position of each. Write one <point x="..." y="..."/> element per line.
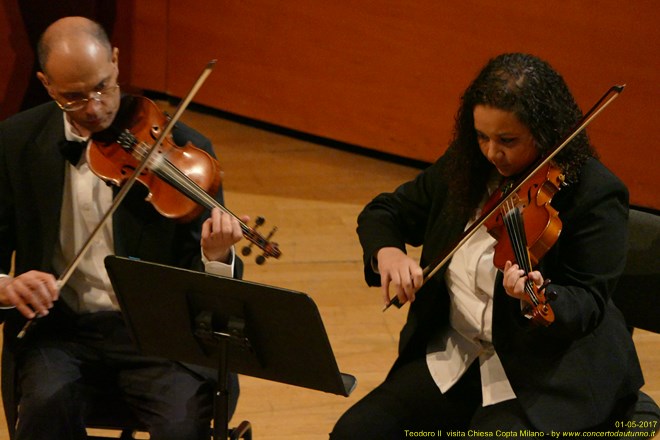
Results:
<point x="531" y="89"/>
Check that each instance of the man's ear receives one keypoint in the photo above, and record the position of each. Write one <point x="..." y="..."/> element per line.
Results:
<point x="44" y="80"/>
<point x="115" y="55"/>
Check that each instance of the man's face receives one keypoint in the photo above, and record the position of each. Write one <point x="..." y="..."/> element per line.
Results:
<point x="85" y="86"/>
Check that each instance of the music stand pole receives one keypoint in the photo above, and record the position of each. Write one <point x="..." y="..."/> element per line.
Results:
<point x="221" y="401"/>
<point x="205" y="330"/>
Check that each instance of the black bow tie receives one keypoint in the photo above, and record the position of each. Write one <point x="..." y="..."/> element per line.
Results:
<point x="72" y="150"/>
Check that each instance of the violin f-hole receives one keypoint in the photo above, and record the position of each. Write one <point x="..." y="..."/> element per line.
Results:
<point x="155" y="131"/>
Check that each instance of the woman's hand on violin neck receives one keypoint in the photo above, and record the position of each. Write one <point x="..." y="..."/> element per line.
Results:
<point x="219" y="233"/>
<point x="32" y="293"/>
<point x="398" y="273"/>
<point x="515" y="279"/>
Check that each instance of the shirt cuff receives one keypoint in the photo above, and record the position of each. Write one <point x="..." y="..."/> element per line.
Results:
<point x="219" y="268"/>
<point x="2" y="275"/>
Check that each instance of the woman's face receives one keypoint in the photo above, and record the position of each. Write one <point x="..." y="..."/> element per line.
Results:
<point x="504" y="140"/>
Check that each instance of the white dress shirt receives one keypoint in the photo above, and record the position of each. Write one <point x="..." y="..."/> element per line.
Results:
<point x="470" y="278"/>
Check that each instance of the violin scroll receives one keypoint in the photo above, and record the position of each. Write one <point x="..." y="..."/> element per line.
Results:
<point x="269" y="251"/>
<point x="537" y="308"/>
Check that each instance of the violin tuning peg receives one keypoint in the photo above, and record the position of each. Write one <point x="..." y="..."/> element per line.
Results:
<point x="247" y="250"/>
<point x="270" y="249"/>
<point x="550" y="295"/>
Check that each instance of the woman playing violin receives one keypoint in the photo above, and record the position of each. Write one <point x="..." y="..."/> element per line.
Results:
<point x="48" y="206"/>
<point x="468" y="358"/>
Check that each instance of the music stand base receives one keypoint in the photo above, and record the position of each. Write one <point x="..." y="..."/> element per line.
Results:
<point x="242" y="431"/>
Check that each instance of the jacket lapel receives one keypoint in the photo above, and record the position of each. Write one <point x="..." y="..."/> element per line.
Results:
<point x="46" y="171"/>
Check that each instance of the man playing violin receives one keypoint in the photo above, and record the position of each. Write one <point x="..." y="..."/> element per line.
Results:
<point x="48" y="206"/>
<point x="469" y="357"/>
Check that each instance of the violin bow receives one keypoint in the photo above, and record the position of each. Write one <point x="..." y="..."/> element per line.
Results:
<point x="429" y="271"/>
<point x="128" y="184"/>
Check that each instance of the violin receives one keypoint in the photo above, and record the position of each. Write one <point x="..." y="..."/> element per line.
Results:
<point x="534" y="188"/>
<point x="180" y="179"/>
<point x="526" y="226"/>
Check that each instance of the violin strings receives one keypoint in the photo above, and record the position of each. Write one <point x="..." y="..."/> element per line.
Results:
<point x="178" y="176"/>
<point x="166" y="170"/>
<point x="173" y="175"/>
<point x="513" y="220"/>
<point x="170" y="171"/>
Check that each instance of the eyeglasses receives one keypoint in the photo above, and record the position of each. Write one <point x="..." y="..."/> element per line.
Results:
<point x="78" y="104"/>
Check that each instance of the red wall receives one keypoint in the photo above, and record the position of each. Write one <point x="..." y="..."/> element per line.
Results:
<point x="387" y="75"/>
<point x="15" y="58"/>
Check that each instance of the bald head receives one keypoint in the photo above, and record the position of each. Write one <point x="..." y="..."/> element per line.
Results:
<point x="79" y="66"/>
<point x="72" y="39"/>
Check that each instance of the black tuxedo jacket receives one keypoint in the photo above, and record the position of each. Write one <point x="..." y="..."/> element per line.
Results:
<point x="568" y="375"/>
<point x="31" y="185"/>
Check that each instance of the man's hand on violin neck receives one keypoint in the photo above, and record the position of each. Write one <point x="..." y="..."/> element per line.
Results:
<point x="219" y="233"/>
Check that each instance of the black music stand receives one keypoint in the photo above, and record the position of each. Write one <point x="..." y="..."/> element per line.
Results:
<point x="228" y="324"/>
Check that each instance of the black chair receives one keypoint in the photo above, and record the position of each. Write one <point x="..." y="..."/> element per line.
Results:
<point x="637" y="297"/>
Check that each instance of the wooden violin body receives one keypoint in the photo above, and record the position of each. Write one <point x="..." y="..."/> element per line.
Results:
<point x="526" y="226"/>
<point x="181" y="179"/>
<point x="114" y="162"/>
<point x="542" y="225"/>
